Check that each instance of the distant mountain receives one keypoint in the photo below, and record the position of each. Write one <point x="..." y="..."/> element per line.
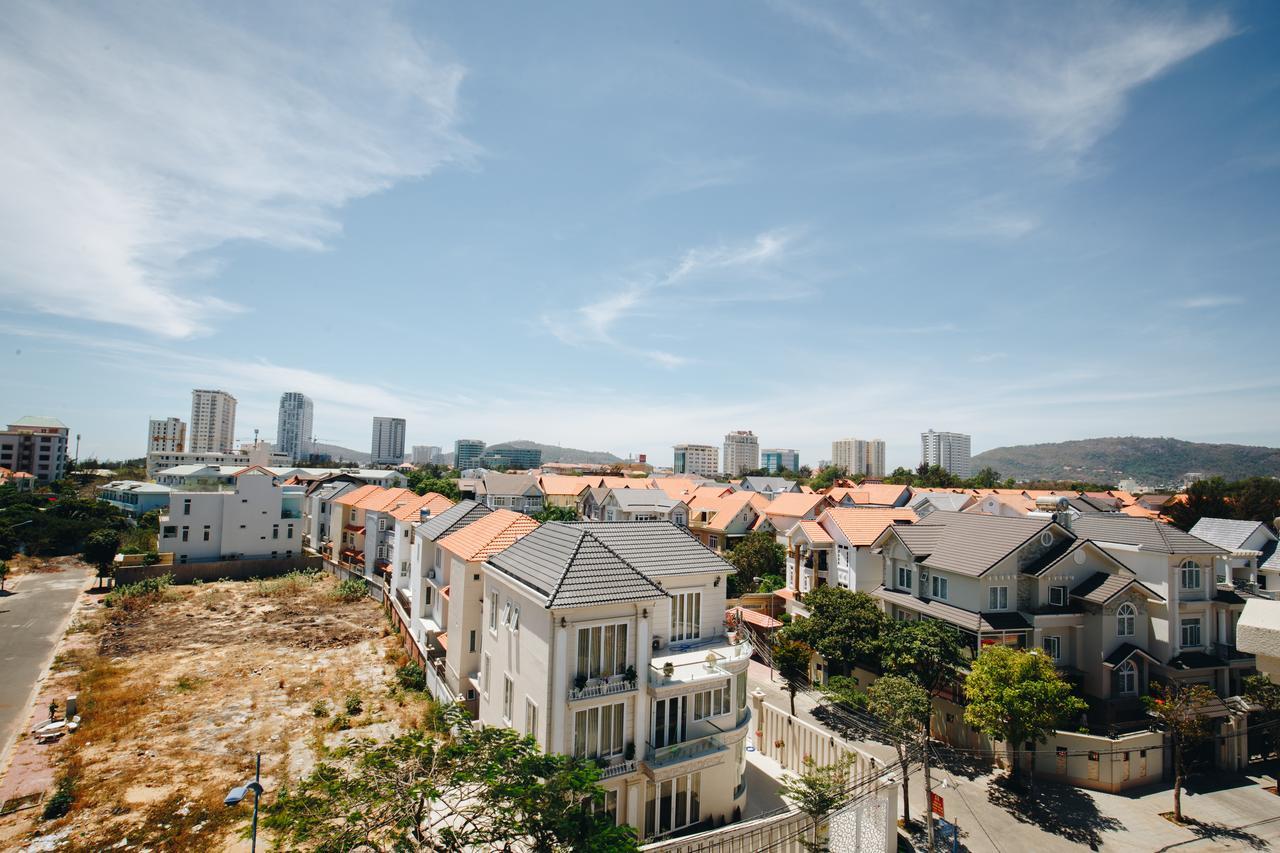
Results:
<point x="338" y="452"/>
<point x="1150" y="461"/>
<point x="555" y="453"/>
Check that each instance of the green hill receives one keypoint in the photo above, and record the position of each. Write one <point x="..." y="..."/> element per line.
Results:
<point x="1150" y="461"/>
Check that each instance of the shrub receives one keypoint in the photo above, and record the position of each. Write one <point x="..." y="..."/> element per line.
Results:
<point x="340" y="723"/>
<point x="291" y="585"/>
<point x="353" y="704"/>
<point x="60" y="803"/>
<point x="320" y="708"/>
<point x="411" y="677"/>
<point x="144" y="592"/>
<point x="351" y="589"/>
<point x="150" y="558"/>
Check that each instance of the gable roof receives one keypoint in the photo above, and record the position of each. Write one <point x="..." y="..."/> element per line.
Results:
<point x="452" y="519"/>
<point x="626" y="482"/>
<point x="411" y="509"/>
<point x="772" y="484"/>
<point x="657" y="548"/>
<point x="677" y="487"/>
<point x="638" y="499"/>
<point x="1055" y="555"/>
<point x="1101" y="587"/>
<point x="495" y="483"/>
<point x="563" y="484"/>
<point x="966" y="543"/>
<point x="1148" y="534"/>
<point x="941" y="500"/>
<point x="1123" y="652"/>
<point x="384" y="500"/>
<point x="570" y="566"/>
<point x="354" y="496"/>
<point x="795" y="504"/>
<point x="814" y="532"/>
<point x="864" y="526"/>
<point x="487" y="536"/>
<point x="1228" y="532"/>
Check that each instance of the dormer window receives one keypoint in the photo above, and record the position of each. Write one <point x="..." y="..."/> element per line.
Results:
<point x="1058" y="596"/>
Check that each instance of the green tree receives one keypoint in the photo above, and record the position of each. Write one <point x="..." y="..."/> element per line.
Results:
<point x="928" y="651"/>
<point x="903" y="708"/>
<point x="1256" y="499"/>
<point x="1209" y="498"/>
<point x="484" y="788"/>
<point x="4" y="574"/>
<point x="1017" y="696"/>
<point x="100" y="549"/>
<point x="1261" y="690"/>
<point x="817" y="791"/>
<point x="1179" y="709"/>
<point x="843" y="626"/>
<point x="757" y="555"/>
<point x="844" y="690"/>
<point x="791" y="658"/>
<point x="826" y="477"/>
<point x="987" y="478"/>
<point x="551" y="512"/>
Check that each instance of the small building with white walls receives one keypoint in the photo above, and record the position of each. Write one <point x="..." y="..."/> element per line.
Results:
<point x="256" y="518"/>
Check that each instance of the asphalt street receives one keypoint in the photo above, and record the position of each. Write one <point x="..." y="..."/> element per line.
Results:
<point x="33" y="617"/>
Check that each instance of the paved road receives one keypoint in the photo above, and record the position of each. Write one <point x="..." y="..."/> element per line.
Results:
<point x="33" y="617"/>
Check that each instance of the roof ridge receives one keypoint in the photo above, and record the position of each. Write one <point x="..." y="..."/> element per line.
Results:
<point x="551" y="596"/>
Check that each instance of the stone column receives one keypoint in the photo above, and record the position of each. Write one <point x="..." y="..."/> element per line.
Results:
<point x="640" y="730"/>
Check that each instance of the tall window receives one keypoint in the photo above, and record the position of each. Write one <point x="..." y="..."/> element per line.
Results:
<point x="939" y="587"/>
<point x="484" y="676"/>
<point x="673" y="804"/>
<point x="1190" y="575"/>
<point x="686" y="616"/>
<point x="508" y="696"/>
<point x="998" y="598"/>
<point x="530" y="718"/>
<point x="186" y="506"/>
<point x="1126" y="619"/>
<point x="598" y="731"/>
<point x="904" y="577"/>
<point x="1127" y="678"/>
<point x="493" y="612"/>
<point x="1058" y="596"/>
<point x="1053" y="647"/>
<point x="602" y="650"/>
<point x="711" y="703"/>
<point x="1190" y="632"/>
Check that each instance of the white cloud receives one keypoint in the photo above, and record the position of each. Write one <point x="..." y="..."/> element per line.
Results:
<point x="1064" y="74"/>
<point x="137" y="138"/>
<point x="1203" y="302"/>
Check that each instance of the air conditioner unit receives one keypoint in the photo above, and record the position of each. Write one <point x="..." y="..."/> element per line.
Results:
<point x="431" y="574"/>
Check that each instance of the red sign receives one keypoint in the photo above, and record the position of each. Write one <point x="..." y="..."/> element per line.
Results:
<point x="935" y="804"/>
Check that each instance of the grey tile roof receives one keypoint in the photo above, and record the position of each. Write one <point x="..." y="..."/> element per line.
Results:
<point x="920" y="538"/>
<point x="971" y="543"/>
<point x="494" y="483"/>
<point x="773" y="484"/>
<point x="640" y="499"/>
<point x="958" y="616"/>
<point x="940" y="500"/>
<point x="1225" y="532"/>
<point x="657" y="548"/>
<point x="571" y="567"/>
<point x="1123" y="652"/>
<point x="1101" y="587"/>
<point x="452" y="519"/>
<point x="1148" y="533"/>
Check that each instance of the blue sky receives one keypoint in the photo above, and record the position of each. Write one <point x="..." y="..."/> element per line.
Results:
<point x="619" y="227"/>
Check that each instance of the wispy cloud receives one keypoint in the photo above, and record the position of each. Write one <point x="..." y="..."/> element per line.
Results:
<point x="599" y="321"/>
<point x="686" y="174"/>
<point x="137" y="139"/>
<point x="1067" y="91"/>
<point x="1204" y="302"/>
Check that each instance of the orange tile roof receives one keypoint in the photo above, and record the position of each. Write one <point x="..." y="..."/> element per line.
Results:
<point x="885" y="494"/>
<point x="563" y="484"/>
<point x="725" y="507"/>
<point x="485" y="537"/>
<point x="1139" y="511"/>
<point x="384" y="499"/>
<point x="862" y="526"/>
<point x="442" y="640"/>
<point x="755" y="617"/>
<point x="411" y="509"/>
<point x="794" y="504"/>
<point x="627" y="483"/>
<point x="815" y="532"/>
<point x="356" y="495"/>
<point x="677" y="487"/>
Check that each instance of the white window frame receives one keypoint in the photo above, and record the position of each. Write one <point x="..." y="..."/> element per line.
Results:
<point x="508" y="698"/>
<point x="493" y="612"/>
<point x="530" y="717"/>
<point x="1193" y="569"/>
<point x="939" y="587"/>
<point x="1053" y="647"/>
<point x="683" y="604"/>
<point x="593" y="649"/>
<point x="485" y="670"/>
<point x="712" y="703"/>
<point x="590" y="737"/>
<point x="1126" y="620"/>
<point x="1189" y="623"/>
<point x="998" y="598"/>
<point x="1127" y="678"/>
<point x="904" y="577"/>
<point x="1061" y="596"/>
<point x="713" y="541"/>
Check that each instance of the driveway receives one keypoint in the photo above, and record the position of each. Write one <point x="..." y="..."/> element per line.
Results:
<point x="33" y="617"/>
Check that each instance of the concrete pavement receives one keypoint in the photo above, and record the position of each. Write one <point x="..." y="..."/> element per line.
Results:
<point x="33" y="617"/>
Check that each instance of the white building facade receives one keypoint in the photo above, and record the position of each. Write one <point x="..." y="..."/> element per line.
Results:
<point x="741" y="452"/>
<point x="703" y="459"/>
<point x="258" y="518"/>
<point x="293" y="428"/>
<point x="36" y="446"/>
<point x="166" y="435"/>
<point x="426" y="454"/>
<point x="948" y="450"/>
<point x="388" y="441"/>
<point x="213" y="422"/>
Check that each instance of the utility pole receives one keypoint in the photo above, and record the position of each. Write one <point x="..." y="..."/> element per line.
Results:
<point x="928" y="788"/>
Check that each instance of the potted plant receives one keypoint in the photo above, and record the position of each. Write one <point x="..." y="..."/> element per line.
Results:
<point x="579" y="682"/>
<point x="629" y="753"/>
<point x="630" y="675"/>
<point x="779" y="744"/>
<point x="668" y="669"/>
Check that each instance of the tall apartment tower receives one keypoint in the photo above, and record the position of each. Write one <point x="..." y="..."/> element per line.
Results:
<point x="293" y="430"/>
<point x="467" y="453"/>
<point x="701" y="459"/>
<point x="850" y="454"/>
<point x="213" y="422"/>
<point x="741" y="452"/>
<point x="949" y="450"/>
<point x="425" y="454"/>
<point x="774" y="459"/>
<point x="875" y="458"/>
<point x="167" y="435"/>
<point x="388" y="441"/>
<point x="36" y="446"/>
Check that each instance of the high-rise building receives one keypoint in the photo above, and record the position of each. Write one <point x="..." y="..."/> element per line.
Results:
<point x="293" y="431"/>
<point x="703" y="459"/>
<point x="511" y="458"/>
<point x="774" y="459"/>
<point x="388" y="441"/>
<point x="167" y="435"/>
<point x="948" y="450"/>
<point x="467" y="452"/>
<point x="426" y="454"/>
<point x="864" y="457"/>
<point x="875" y="458"/>
<point x="741" y="452"/>
<point x="35" y="446"/>
<point x="213" y="422"/>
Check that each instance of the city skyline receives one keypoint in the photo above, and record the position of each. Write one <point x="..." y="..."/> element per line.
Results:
<point x="1025" y="228"/>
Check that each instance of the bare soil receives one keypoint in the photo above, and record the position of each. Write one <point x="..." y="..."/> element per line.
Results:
<point x="176" y="698"/>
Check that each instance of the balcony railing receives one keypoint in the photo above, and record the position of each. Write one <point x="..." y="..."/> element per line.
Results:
<point x="662" y="756"/>
<point x="1229" y="652"/>
<point x="610" y="686"/>
<point x="694" y="664"/>
<point x="618" y="768"/>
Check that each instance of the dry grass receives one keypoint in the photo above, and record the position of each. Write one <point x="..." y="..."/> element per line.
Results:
<point x="176" y="697"/>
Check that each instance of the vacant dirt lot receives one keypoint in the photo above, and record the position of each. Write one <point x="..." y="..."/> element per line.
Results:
<point x="179" y="693"/>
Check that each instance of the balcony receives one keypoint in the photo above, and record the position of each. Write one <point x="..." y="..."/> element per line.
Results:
<point x="690" y="663"/>
<point x="290" y="513"/>
<point x="618" y="768"/>
<point x="665" y="756"/>
<point x="1230" y="653"/>
<point x="596" y="687"/>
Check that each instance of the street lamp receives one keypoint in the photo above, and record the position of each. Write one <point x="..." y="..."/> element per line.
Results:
<point x="239" y="793"/>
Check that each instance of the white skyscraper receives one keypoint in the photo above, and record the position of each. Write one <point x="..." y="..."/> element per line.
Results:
<point x="701" y="459"/>
<point x="875" y="457"/>
<point x="741" y="452"/>
<point x="388" y="441"/>
<point x="293" y="430"/>
<point x="167" y="435"/>
<point x="949" y="450"/>
<point x="425" y="454"/>
<point x="213" y="422"/>
<point x="859" y="456"/>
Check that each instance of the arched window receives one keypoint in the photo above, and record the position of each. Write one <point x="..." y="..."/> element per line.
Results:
<point x="1126" y="617"/>
<point x="1190" y="574"/>
<point x="1127" y="678"/>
